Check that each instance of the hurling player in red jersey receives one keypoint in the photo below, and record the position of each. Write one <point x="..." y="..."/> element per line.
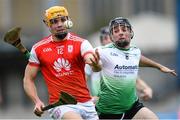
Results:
<point x="61" y="57"/>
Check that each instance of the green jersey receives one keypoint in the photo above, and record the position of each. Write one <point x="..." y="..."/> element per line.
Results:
<point x="118" y="83"/>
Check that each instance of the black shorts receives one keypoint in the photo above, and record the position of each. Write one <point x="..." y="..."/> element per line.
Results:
<point x="127" y="115"/>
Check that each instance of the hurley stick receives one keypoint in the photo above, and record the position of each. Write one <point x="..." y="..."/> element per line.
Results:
<point x="12" y="37"/>
<point x="64" y="99"/>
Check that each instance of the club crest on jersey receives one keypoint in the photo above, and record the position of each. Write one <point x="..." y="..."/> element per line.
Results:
<point x="70" y="48"/>
<point x="127" y="56"/>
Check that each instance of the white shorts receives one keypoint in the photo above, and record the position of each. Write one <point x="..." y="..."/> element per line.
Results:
<point x="86" y="110"/>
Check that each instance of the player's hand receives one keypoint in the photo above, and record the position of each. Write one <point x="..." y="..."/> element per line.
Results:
<point x="95" y="64"/>
<point x="95" y="99"/>
<point x="167" y="70"/>
<point x="146" y="94"/>
<point x="38" y="108"/>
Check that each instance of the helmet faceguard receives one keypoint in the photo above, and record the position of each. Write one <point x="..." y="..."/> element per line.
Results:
<point x="120" y="21"/>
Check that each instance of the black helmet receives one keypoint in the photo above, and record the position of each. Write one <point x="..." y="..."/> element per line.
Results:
<point x="103" y="32"/>
<point x="121" y="21"/>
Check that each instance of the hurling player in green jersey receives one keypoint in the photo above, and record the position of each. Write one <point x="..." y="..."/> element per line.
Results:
<point x="144" y="90"/>
<point x="120" y="65"/>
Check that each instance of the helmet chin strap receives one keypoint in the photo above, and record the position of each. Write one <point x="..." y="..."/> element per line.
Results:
<point x="61" y="35"/>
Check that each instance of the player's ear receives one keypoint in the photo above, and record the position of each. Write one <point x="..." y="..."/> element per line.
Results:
<point x="132" y="34"/>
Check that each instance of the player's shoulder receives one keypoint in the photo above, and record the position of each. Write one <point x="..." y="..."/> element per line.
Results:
<point x="110" y="45"/>
<point x="133" y="47"/>
<point x="98" y="47"/>
<point x="43" y="41"/>
<point x="105" y="49"/>
<point x="75" y="37"/>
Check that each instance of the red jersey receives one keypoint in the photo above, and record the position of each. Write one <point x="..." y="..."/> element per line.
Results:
<point x="62" y="65"/>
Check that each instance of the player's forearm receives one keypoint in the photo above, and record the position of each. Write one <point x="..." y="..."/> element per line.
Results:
<point x="146" y="62"/>
<point x="141" y="85"/>
<point x="30" y="90"/>
<point x="138" y="86"/>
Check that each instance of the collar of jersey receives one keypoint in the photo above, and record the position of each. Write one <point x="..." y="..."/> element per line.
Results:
<point x="68" y="35"/>
<point x="124" y="49"/>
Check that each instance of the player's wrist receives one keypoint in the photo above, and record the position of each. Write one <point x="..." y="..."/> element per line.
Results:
<point x="96" y="68"/>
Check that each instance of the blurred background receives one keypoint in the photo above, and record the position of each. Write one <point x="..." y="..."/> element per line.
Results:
<point x="155" y="24"/>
